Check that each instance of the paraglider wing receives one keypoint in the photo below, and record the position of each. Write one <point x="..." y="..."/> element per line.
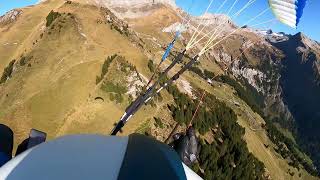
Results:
<point x="288" y="12"/>
<point x="170" y="46"/>
<point x="167" y="52"/>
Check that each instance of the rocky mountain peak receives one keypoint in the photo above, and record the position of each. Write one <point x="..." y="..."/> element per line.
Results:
<point x="299" y="36"/>
<point x="215" y="19"/>
<point x="133" y="9"/>
<point x="134" y="4"/>
<point x="307" y="42"/>
<point x="10" y="16"/>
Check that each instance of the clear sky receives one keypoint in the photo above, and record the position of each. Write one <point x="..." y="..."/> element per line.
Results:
<point x="309" y="24"/>
<point x="6" y="5"/>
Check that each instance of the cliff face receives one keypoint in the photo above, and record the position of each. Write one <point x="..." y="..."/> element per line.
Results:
<point x="252" y="59"/>
<point x="128" y="9"/>
<point x="282" y="68"/>
<point x="301" y="90"/>
<point x="10" y="16"/>
<point x="287" y="77"/>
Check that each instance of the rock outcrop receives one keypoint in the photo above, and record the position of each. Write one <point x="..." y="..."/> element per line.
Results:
<point x="134" y="9"/>
<point x="10" y="16"/>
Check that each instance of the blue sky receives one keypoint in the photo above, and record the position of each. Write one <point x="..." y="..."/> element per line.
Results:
<point x="6" y="5"/>
<point x="309" y="24"/>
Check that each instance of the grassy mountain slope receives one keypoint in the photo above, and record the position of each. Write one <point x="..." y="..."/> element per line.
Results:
<point x="63" y="67"/>
<point x="16" y="37"/>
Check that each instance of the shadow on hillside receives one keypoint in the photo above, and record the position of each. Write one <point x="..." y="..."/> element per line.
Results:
<point x="6" y="139"/>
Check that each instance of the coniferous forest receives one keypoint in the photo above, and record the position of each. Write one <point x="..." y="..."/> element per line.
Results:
<point x="227" y="146"/>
